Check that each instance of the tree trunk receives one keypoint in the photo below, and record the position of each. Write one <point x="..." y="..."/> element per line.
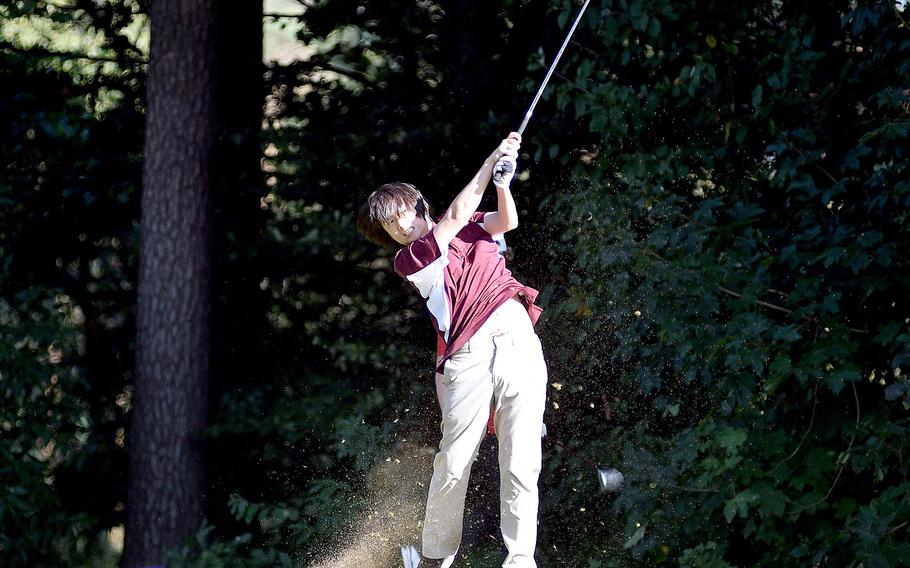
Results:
<point x="166" y="484"/>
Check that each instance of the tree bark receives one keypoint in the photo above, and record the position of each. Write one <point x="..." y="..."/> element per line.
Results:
<point x="166" y="485"/>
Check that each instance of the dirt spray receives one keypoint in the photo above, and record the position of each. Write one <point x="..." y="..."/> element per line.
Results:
<point x="396" y="493"/>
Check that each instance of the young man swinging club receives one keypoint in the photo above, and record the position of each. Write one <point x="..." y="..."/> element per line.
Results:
<point x="490" y="359"/>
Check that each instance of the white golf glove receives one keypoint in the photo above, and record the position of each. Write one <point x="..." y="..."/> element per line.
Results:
<point x="504" y="171"/>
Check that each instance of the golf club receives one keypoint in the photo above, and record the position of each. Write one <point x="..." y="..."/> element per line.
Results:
<point x="505" y="167"/>
<point x="543" y="85"/>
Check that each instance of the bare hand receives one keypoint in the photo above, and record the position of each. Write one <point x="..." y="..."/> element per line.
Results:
<point x="509" y="146"/>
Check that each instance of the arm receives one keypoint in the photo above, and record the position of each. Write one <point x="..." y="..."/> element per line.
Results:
<point x="468" y="200"/>
<point x="505" y="218"/>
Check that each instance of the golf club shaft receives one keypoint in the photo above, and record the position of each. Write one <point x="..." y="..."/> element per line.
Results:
<point x="546" y="79"/>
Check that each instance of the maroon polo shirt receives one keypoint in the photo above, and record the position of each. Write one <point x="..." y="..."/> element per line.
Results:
<point x="463" y="286"/>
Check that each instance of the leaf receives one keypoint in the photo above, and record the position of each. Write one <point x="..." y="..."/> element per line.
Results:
<point x="756" y="96"/>
<point x="730" y="510"/>
<point x="893" y="392"/>
<point x="251" y="513"/>
<point x="732" y="438"/>
<point x="740" y="504"/>
<point x="831" y="302"/>
<point x="780" y="371"/>
<point x="654" y="27"/>
<point x="636" y="537"/>
<point x="850" y="161"/>
<point x="887" y="332"/>
<point x="832" y="255"/>
<point x="237" y="506"/>
<point x="771" y="502"/>
<point x="583" y="74"/>
<point x="562" y="19"/>
<point x="787" y="334"/>
<point x="581" y="106"/>
<point x="835" y="382"/>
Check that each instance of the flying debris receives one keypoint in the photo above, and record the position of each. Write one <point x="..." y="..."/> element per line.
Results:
<point x="611" y="479"/>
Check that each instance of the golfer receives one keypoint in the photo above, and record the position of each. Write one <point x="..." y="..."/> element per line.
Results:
<point x="489" y="358"/>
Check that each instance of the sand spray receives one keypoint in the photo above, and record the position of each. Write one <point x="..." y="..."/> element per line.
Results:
<point x="396" y="494"/>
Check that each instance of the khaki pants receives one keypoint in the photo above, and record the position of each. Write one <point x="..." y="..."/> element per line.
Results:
<point x="502" y="363"/>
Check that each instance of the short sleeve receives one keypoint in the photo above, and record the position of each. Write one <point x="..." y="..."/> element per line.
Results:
<point x="423" y="266"/>
<point x="417" y="255"/>
<point x="478" y="216"/>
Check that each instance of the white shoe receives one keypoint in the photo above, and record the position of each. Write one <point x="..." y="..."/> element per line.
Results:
<point x="409" y="556"/>
<point x="412" y="559"/>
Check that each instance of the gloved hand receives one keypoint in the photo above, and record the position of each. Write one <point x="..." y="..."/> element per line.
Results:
<point x="504" y="171"/>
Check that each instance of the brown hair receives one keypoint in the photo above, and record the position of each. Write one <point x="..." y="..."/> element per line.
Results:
<point x="383" y="206"/>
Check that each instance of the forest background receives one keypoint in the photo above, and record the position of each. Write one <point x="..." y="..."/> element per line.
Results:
<point x="714" y="200"/>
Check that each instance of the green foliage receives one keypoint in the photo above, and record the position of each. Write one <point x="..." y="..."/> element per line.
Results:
<point x="714" y="202"/>
<point x="45" y="428"/>
<point x="67" y="205"/>
<point x="205" y="551"/>
<point x="731" y="268"/>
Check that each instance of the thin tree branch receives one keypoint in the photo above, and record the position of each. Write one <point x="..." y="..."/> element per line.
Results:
<point x="768" y="305"/>
<point x="347" y="72"/>
<point x="573" y="83"/>
<point x="806" y="434"/>
<point x="310" y="66"/>
<point x="650" y="252"/>
<point x="276" y="15"/>
<point x="814" y="164"/>
<point x="903" y="23"/>
<point x="41" y="52"/>
<point x="825" y="172"/>
<point x="695" y="489"/>
<point x="843" y="463"/>
<point x="896" y="528"/>
<point x="759" y="302"/>
<point x="779" y="293"/>
<point x="586" y="49"/>
<point x="771" y="306"/>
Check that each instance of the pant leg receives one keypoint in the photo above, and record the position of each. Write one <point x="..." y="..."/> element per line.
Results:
<point x="466" y="409"/>
<point x="519" y="378"/>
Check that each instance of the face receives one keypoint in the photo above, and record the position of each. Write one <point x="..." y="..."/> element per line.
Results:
<point x="407" y="228"/>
